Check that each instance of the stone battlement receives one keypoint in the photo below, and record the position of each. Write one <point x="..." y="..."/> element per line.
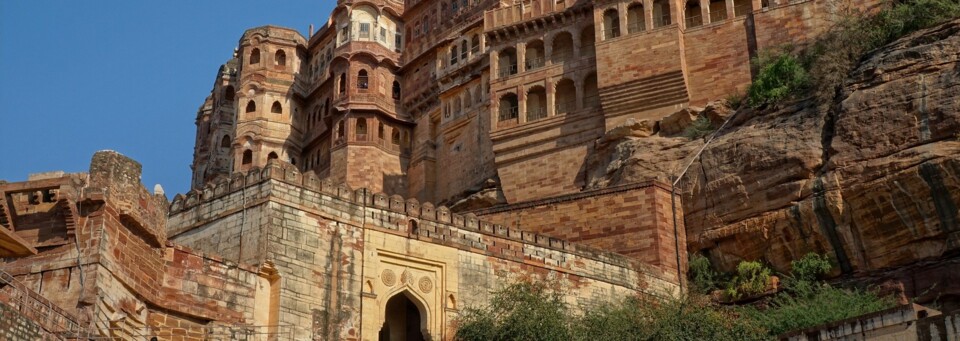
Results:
<point x="437" y="224"/>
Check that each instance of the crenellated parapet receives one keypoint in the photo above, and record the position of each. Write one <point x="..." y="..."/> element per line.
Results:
<point x="395" y="214"/>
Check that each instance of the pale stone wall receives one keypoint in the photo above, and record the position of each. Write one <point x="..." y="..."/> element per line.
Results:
<point x="333" y="247"/>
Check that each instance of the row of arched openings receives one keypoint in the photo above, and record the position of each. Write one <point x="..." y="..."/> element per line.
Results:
<point x="276" y="108"/>
<point x="565" y="100"/>
<point x="562" y="49"/>
<point x="363" y="84"/>
<point x="279" y="58"/>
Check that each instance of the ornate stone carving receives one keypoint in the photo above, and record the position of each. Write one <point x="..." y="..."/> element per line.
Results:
<point x="388" y="277"/>
<point x="406" y="277"/>
<point x="425" y="284"/>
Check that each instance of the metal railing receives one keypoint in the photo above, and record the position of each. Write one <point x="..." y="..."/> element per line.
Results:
<point x="719" y="15"/>
<point x="694" y="21"/>
<point x="561" y="55"/>
<point x="536" y="114"/>
<point x="636" y="27"/>
<point x="660" y="21"/>
<point x="508" y="113"/>
<point x="508" y="71"/>
<point x="742" y="10"/>
<point x="591" y="101"/>
<point x="37" y="308"/>
<point x="566" y="107"/>
<point x="534" y="63"/>
<point x="611" y="33"/>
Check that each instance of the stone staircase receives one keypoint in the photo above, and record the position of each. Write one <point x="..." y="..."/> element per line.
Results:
<point x="55" y="322"/>
<point x="644" y="94"/>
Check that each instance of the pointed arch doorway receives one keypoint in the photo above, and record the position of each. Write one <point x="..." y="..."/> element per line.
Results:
<point x="404" y="320"/>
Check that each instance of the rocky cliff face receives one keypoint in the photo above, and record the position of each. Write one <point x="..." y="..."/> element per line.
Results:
<point x="873" y="179"/>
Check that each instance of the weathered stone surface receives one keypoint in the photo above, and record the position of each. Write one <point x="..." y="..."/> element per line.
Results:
<point x="679" y="121"/>
<point x="873" y="180"/>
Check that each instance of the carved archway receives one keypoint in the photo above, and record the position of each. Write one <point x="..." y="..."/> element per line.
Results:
<point x="405" y="318"/>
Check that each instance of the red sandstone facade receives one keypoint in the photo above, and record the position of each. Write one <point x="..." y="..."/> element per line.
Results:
<point x="432" y="99"/>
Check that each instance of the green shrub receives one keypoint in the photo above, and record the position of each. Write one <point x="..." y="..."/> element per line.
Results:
<point x="780" y="77"/>
<point x="751" y="279"/>
<point x="699" y="128"/>
<point x="810" y="267"/>
<point x="824" y="65"/>
<point x="701" y="273"/>
<point x="521" y="311"/>
<point x="814" y="305"/>
<point x="687" y="318"/>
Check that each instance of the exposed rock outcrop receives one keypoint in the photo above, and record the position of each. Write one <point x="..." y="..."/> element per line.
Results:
<point x="872" y="179"/>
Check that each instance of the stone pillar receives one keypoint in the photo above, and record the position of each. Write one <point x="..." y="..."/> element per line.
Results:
<point x="757" y="4"/>
<point x="551" y="99"/>
<point x="576" y="44"/>
<point x="548" y="50"/>
<point x="648" y="14"/>
<point x="731" y="10"/>
<point x="521" y="105"/>
<point x="494" y="64"/>
<point x="622" y="15"/>
<point x="705" y="12"/>
<point x="578" y="84"/>
<point x="521" y="57"/>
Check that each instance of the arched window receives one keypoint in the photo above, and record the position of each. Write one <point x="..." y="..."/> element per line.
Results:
<point x="396" y="90"/>
<point x="363" y="81"/>
<point x="361" y="129"/>
<point x="508" y="62"/>
<point x="536" y="103"/>
<point x="587" y="41"/>
<point x="534" y="55"/>
<point x="611" y="24"/>
<point x="340" y="129"/>
<point x="453" y="54"/>
<point x="635" y="19"/>
<point x="661" y="13"/>
<point x="508" y="107"/>
<point x="280" y="59"/>
<point x="276" y="108"/>
<point x="247" y="157"/>
<point x="395" y="136"/>
<point x="272" y="156"/>
<point x="228" y="93"/>
<point x="693" y="14"/>
<point x="380" y="130"/>
<point x="562" y="47"/>
<point x="463" y="50"/>
<point x="251" y="106"/>
<point x="565" y="96"/>
<point x="475" y="44"/>
<point x="718" y="10"/>
<point x="225" y="142"/>
<point x="343" y="82"/>
<point x="255" y="56"/>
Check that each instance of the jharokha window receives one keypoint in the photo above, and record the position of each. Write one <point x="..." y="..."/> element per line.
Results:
<point x="363" y="81"/>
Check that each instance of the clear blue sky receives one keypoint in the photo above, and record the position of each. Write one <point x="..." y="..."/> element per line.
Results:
<point x="81" y="76"/>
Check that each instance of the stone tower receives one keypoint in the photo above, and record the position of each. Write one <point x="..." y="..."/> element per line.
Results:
<point x="216" y="128"/>
<point x="267" y="105"/>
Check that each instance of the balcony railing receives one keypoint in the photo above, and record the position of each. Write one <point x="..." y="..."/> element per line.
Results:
<point x="611" y="33"/>
<point x="523" y="11"/>
<point x="534" y="63"/>
<point x="508" y="70"/>
<point x="536" y="114"/>
<point x="508" y="113"/>
<point x="718" y="15"/>
<point x="694" y="21"/>
<point x="566" y="107"/>
<point x="591" y="101"/>
<point x="636" y="27"/>
<point x="660" y="21"/>
<point x="742" y="10"/>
